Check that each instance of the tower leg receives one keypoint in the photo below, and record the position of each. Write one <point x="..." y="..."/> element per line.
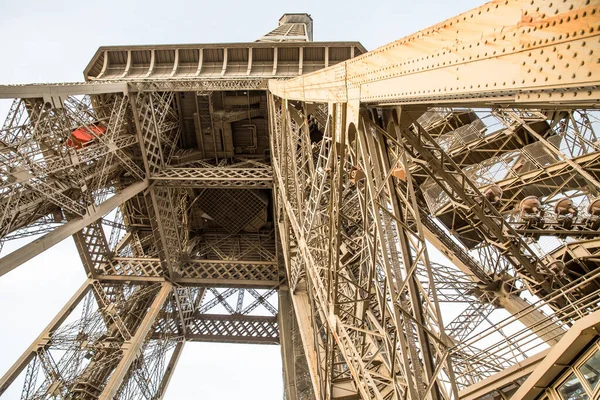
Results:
<point x="110" y="346"/>
<point x="288" y="353"/>
<point x="131" y="348"/>
<point x="166" y="379"/>
<point x="43" y="339"/>
<point x="289" y="344"/>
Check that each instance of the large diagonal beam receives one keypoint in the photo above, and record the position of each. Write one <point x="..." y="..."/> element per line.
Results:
<point x="490" y="54"/>
<point x="166" y="379"/>
<point x="30" y="250"/>
<point x="44" y="337"/>
<point x="132" y="348"/>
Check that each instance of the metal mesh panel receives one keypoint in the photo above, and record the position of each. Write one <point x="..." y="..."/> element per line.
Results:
<point x="432" y="117"/>
<point x="435" y="197"/>
<point x="536" y="156"/>
<point x="462" y="136"/>
<point x="233" y="209"/>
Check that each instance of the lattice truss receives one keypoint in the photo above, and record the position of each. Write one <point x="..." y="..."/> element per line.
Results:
<point x="80" y="350"/>
<point x="419" y="234"/>
<point x="231" y="315"/>
<point x="196" y="223"/>
<point x="45" y="178"/>
<point x="376" y="200"/>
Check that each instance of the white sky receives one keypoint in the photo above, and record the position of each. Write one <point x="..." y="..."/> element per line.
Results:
<point x="52" y="41"/>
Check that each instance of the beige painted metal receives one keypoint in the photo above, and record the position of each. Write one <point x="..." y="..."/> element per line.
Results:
<point x="530" y="317"/>
<point x="288" y="356"/>
<point x="392" y="343"/>
<point x="503" y="378"/>
<point x="582" y="333"/>
<point x="30" y="250"/>
<point x="56" y="93"/>
<point x="166" y="379"/>
<point x="214" y="61"/>
<point x="44" y="337"/>
<point x="131" y="349"/>
<point x="504" y="52"/>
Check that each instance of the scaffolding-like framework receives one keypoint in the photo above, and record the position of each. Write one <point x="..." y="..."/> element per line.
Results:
<point x="406" y="223"/>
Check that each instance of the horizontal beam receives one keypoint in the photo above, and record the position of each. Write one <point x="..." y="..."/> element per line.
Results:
<point x="199" y="273"/>
<point x="248" y="329"/>
<point x="49" y="91"/>
<point x="502" y="379"/>
<point x="215" y="178"/>
<point x="560" y="357"/>
<point x="101" y="68"/>
<point x="517" y="51"/>
<point x="231" y="339"/>
<point x="195" y="282"/>
<point x="30" y="250"/>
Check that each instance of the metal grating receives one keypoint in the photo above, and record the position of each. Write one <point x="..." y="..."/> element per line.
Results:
<point x="233" y="209"/>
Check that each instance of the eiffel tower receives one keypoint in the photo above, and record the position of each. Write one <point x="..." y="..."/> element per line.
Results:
<point x="420" y="221"/>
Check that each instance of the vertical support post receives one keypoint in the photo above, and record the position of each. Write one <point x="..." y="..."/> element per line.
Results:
<point x="131" y="349"/>
<point x="44" y="337"/>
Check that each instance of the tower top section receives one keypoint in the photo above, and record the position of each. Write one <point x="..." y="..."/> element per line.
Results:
<point x="293" y="27"/>
<point x="285" y="52"/>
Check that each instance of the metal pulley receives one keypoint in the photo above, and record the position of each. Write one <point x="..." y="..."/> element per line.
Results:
<point x="532" y="213"/>
<point x="565" y="207"/>
<point x="493" y="194"/>
<point x="594" y="208"/>
<point x="593" y="222"/>
<point x="565" y="212"/>
<point x="530" y="206"/>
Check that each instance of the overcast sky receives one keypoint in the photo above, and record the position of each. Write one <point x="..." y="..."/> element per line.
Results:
<point x="52" y="41"/>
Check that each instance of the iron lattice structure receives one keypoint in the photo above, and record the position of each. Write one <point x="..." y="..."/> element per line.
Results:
<point x="406" y="223"/>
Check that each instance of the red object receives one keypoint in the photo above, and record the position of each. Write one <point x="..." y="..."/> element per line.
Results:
<point x="80" y="137"/>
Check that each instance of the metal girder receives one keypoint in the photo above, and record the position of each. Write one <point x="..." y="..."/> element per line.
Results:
<point x="43" y="338"/>
<point x="351" y="320"/>
<point x="132" y="348"/>
<point x="492" y="225"/>
<point x="496" y="53"/>
<point x="92" y="246"/>
<point x="205" y="273"/>
<point x="165" y="206"/>
<point x="196" y="85"/>
<point x="51" y="92"/>
<point x="164" y="383"/>
<point x="231" y="274"/>
<point x="296" y="374"/>
<point x="30" y="250"/>
<point x="43" y="169"/>
<point x="76" y="357"/>
<point x="215" y="178"/>
<point x="354" y="183"/>
<point x="233" y="329"/>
